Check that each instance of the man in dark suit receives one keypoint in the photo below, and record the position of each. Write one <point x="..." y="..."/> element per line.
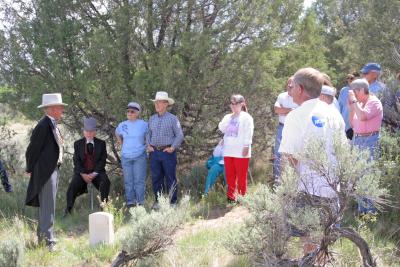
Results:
<point x="90" y="155"/>
<point x="43" y="159"/>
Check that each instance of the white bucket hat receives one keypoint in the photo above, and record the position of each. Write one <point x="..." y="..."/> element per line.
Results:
<point x="163" y="96"/>
<point x="328" y="90"/>
<point x="51" y="100"/>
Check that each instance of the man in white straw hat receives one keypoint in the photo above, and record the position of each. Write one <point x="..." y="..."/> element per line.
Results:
<point x="43" y="159"/>
<point x="163" y="138"/>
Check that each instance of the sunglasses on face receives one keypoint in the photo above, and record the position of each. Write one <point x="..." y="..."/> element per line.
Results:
<point x="132" y="111"/>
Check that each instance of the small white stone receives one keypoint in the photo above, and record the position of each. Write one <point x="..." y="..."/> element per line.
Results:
<point x="101" y="228"/>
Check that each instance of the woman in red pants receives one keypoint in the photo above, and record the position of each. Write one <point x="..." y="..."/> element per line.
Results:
<point x="238" y="133"/>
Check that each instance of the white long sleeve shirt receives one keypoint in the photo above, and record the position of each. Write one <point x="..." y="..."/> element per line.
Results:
<point x="238" y="133"/>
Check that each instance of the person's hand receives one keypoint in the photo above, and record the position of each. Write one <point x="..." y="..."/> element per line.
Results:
<point x="352" y="96"/>
<point x="86" y="178"/>
<point x="169" y="149"/>
<point x="92" y="176"/>
<point x="150" y="148"/>
<point x="245" y="151"/>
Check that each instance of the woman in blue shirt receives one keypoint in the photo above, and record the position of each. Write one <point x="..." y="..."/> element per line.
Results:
<point x="131" y="134"/>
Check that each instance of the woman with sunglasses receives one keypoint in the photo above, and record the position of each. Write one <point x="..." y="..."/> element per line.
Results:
<point x="131" y="134"/>
<point x="238" y="130"/>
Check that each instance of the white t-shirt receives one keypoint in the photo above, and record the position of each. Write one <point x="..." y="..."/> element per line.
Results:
<point x="335" y="104"/>
<point x="284" y="100"/>
<point x="238" y="133"/>
<point x="313" y="119"/>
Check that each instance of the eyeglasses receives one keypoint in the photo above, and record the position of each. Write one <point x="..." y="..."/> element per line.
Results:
<point x="234" y="104"/>
<point x="131" y="111"/>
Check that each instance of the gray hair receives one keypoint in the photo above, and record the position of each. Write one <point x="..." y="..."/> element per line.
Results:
<point x="311" y="80"/>
<point x="360" y="84"/>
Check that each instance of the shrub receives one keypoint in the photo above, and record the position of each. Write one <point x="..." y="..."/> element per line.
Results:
<point x="12" y="244"/>
<point x="275" y="214"/>
<point x="148" y="234"/>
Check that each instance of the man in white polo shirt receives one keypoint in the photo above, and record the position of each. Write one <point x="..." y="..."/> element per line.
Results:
<point x="283" y="105"/>
<point x="313" y="119"/>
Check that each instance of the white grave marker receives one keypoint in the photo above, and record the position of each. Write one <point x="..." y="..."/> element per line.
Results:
<point x="101" y="228"/>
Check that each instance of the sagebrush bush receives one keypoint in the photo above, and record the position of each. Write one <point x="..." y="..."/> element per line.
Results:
<point x="149" y="233"/>
<point x="277" y="214"/>
<point x="12" y="244"/>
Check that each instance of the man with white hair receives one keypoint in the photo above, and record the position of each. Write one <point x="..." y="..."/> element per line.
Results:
<point x="43" y="159"/>
<point x="366" y="114"/>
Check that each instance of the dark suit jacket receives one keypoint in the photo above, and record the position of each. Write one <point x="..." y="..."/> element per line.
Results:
<point x="41" y="159"/>
<point x="100" y="155"/>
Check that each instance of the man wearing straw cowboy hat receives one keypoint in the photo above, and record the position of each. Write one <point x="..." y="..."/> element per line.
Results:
<point x="163" y="138"/>
<point x="43" y="159"/>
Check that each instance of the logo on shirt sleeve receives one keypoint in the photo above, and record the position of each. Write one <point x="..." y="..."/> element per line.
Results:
<point x="318" y="121"/>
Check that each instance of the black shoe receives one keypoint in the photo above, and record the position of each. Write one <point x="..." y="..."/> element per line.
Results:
<point x="8" y="188"/>
<point x="51" y="247"/>
<point x="67" y="212"/>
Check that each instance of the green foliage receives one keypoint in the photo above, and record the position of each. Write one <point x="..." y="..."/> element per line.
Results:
<point x="389" y="164"/>
<point x="265" y="237"/>
<point x="359" y="31"/>
<point x="12" y="244"/>
<point x="148" y="234"/>
<point x="118" y="213"/>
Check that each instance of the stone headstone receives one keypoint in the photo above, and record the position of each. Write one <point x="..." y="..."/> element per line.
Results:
<point x="101" y="228"/>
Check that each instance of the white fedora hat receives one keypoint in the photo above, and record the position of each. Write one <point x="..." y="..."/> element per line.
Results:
<point x="163" y="96"/>
<point x="51" y="100"/>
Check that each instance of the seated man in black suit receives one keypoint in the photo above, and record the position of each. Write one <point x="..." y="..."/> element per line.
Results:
<point x="90" y="155"/>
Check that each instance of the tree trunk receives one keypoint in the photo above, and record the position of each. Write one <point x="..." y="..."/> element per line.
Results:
<point x="353" y="236"/>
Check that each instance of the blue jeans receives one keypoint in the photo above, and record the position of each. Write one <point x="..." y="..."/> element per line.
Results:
<point x="134" y="177"/>
<point x="370" y="143"/>
<point x="277" y="155"/>
<point x="4" y="178"/>
<point x="163" y="165"/>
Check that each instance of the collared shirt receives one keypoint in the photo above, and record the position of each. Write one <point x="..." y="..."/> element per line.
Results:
<point x="164" y="130"/>
<point x="90" y="142"/>
<point x="343" y="105"/>
<point x="52" y="120"/>
<point x="58" y="137"/>
<point x="374" y="113"/>
<point x="377" y="88"/>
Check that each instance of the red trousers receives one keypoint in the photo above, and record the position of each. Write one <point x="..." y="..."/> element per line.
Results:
<point x="236" y="174"/>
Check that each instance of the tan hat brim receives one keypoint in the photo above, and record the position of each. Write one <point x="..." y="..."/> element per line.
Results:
<point x="49" y="105"/>
<point x="170" y="100"/>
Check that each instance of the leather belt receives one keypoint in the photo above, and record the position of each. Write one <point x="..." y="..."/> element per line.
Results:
<point x="161" y="148"/>
<point x="366" y="134"/>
